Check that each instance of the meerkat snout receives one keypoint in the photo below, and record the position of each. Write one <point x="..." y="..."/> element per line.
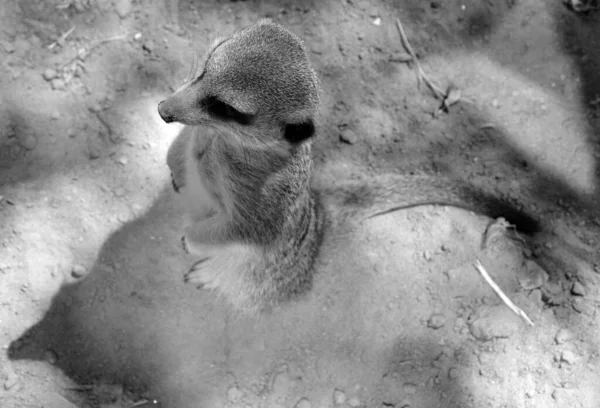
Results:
<point x="164" y="112"/>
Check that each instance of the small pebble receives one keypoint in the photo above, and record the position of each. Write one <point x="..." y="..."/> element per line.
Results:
<point x="58" y="84"/>
<point x="318" y="48"/>
<point x="348" y="136"/>
<point x="122" y="160"/>
<point x="82" y="53"/>
<point x="354" y="402"/>
<point x="453" y="373"/>
<point x="568" y="357"/>
<point x="50" y="356"/>
<point x="137" y="36"/>
<point x="494" y="322"/>
<point x="123" y="7"/>
<point x="581" y="306"/>
<point x="9" y="47"/>
<point x="234" y="394"/>
<point x="281" y="383"/>
<point x="78" y="271"/>
<point x="409" y="388"/>
<point x="49" y="74"/>
<point x="12" y="381"/>
<point x="148" y="46"/>
<point x="339" y="397"/>
<point x="303" y="403"/>
<point x="55" y="115"/>
<point x="578" y="289"/>
<point x="29" y="142"/>
<point x="436" y="321"/>
<point x="96" y="107"/>
<point x="427" y="255"/>
<point x="495" y="103"/>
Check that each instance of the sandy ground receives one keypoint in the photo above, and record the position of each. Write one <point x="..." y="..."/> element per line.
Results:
<point x="93" y="309"/>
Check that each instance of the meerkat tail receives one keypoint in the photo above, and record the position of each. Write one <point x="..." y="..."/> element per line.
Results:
<point x="359" y="200"/>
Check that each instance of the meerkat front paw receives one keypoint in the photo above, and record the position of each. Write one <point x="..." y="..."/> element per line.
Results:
<point x="202" y="274"/>
<point x="184" y="245"/>
<point x="174" y="184"/>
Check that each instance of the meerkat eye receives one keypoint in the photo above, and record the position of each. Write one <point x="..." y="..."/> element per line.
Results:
<point x="298" y="132"/>
<point x="224" y="111"/>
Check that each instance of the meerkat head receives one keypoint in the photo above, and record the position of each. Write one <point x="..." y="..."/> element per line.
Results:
<point x="257" y="84"/>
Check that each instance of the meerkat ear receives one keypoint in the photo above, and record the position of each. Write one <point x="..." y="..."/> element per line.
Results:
<point x="298" y="132"/>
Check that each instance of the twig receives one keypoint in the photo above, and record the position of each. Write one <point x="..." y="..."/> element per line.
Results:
<point x="449" y="97"/>
<point x="62" y="38"/>
<point x="95" y="45"/>
<point x="519" y="312"/>
<point x="140" y="402"/>
<point x="437" y="91"/>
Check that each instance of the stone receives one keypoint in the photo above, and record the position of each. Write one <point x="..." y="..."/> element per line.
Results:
<point x="49" y="74"/>
<point x="78" y="271"/>
<point x="234" y="394"/>
<point x="348" y="136"/>
<point x="303" y="403"/>
<point x="123" y="8"/>
<point x="339" y="397"/>
<point x="436" y="321"/>
<point x="494" y="322"/>
<point x="58" y="84"/>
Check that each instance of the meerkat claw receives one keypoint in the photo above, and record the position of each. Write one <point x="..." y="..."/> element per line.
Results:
<point x="175" y="186"/>
<point x="201" y="275"/>
<point x="184" y="245"/>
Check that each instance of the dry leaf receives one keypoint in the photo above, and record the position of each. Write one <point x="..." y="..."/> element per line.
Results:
<point x="498" y="230"/>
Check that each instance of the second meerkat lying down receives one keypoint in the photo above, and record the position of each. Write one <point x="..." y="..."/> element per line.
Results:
<point x="243" y="166"/>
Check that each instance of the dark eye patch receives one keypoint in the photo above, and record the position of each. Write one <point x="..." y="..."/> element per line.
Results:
<point x="224" y="111"/>
<point x="298" y="132"/>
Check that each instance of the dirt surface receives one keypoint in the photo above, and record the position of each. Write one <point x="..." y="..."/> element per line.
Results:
<point x="93" y="309"/>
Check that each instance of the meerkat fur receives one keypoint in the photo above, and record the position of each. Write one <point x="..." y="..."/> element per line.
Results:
<point x="243" y="166"/>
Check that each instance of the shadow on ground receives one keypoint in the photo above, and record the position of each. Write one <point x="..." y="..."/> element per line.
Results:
<point x="132" y="320"/>
<point x="579" y="38"/>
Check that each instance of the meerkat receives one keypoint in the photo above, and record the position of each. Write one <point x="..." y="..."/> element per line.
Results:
<point x="243" y="166"/>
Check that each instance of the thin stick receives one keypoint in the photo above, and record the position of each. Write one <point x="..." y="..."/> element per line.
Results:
<point x="138" y="403"/>
<point x="518" y="311"/>
<point x="95" y="45"/>
<point x="437" y="91"/>
<point x="62" y="38"/>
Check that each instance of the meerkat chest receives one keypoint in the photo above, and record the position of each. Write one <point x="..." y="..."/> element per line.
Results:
<point x="200" y="198"/>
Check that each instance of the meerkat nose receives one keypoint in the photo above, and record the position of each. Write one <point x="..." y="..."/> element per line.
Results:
<point x="164" y="114"/>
